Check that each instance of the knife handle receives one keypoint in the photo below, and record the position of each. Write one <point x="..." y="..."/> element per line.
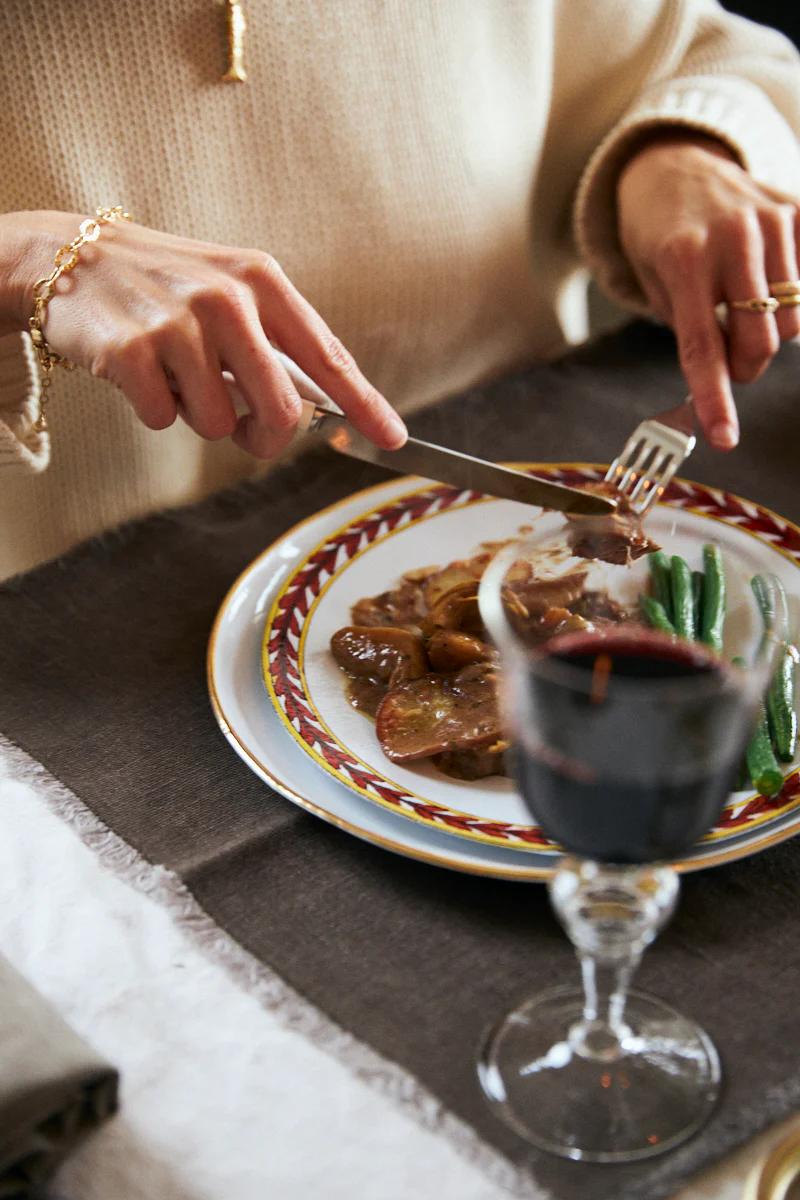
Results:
<point x="315" y="402"/>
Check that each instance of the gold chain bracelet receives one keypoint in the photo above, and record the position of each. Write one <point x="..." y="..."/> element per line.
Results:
<point x="43" y="290"/>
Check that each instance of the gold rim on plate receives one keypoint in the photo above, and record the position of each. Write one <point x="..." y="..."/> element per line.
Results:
<point x="284" y="787"/>
<point x="287" y="627"/>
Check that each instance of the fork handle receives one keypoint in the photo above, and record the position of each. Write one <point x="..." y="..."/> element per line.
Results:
<point x="681" y="417"/>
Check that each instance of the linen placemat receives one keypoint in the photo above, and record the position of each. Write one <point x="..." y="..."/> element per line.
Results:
<point x="102" y="661"/>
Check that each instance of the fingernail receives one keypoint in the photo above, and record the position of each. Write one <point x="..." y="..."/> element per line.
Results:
<point x="724" y="435"/>
<point x="397" y="430"/>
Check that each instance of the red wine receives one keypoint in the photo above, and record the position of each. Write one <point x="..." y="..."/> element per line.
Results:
<point x="620" y="771"/>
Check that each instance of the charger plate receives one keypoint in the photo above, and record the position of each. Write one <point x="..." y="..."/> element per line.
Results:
<point x="311" y="746"/>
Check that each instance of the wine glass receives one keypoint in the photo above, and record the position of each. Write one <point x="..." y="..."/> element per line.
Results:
<point x="626" y="742"/>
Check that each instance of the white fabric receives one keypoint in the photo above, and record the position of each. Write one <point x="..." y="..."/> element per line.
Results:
<point x="219" y="1097"/>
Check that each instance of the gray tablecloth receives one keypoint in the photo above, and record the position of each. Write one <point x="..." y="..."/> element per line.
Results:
<point x="102" y="667"/>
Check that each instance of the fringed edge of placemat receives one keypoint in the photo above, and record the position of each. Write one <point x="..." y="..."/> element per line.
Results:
<point x="269" y="989"/>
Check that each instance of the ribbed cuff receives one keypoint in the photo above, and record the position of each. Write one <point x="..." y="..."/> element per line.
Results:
<point x="21" y="447"/>
<point x="732" y="110"/>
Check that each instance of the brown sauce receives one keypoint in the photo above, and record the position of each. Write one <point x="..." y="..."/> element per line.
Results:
<point x="365" y="695"/>
<point x="419" y="653"/>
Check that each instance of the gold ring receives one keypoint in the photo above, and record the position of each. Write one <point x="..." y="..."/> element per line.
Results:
<point x="787" y="287"/>
<point x="759" y="304"/>
<point x="790" y="300"/>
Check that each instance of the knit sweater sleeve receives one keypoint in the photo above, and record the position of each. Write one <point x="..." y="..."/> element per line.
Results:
<point x="732" y="79"/>
<point x="22" y="447"/>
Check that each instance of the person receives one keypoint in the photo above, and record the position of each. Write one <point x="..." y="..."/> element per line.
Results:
<point x="406" y="198"/>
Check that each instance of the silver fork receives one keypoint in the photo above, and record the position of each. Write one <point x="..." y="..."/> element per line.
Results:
<point x="652" y="455"/>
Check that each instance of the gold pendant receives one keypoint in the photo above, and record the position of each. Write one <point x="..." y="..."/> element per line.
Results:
<point x="234" y="15"/>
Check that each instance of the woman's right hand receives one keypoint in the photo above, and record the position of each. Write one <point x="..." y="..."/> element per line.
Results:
<point x="157" y="314"/>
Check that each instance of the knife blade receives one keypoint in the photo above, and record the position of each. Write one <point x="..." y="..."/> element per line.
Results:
<point x="320" y="415"/>
<point x="460" y="470"/>
<point x="424" y="458"/>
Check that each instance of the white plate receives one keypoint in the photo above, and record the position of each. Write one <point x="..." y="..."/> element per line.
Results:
<point x="257" y="730"/>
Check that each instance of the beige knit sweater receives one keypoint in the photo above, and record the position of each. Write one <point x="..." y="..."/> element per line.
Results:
<point x="435" y="176"/>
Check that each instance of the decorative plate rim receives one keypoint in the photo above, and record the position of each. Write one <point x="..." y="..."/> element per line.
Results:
<point x="253" y="756"/>
<point x="286" y="684"/>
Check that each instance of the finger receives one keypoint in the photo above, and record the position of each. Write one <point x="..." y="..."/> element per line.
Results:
<point x="254" y="437"/>
<point x="657" y="295"/>
<point x="752" y="337"/>
<point x="205" y="401"/>
<point x="274" y="404"/>
<point x="299" y="329"/>
<point x="138" y="373"/>
<point x="702" y="352"/>
<point x="780" y="260"/>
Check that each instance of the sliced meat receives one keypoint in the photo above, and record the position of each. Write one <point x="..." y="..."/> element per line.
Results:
<point x="453" y="576"/>
<point x="554" y="621"/>
<point x="440" y="713"/>
<point x="456" y="610"/>
<point x="444" y="579"/>
<point x="401" y="607"/>
<point x="618" y="538"/>
<point x="540" y="595"/>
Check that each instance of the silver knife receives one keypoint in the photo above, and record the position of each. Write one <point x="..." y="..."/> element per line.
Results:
<point x="460" y="470"/>
<point x="321" y="416"/>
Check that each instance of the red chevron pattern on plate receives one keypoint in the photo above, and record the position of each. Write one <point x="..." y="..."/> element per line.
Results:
<point x="282" y="657"/>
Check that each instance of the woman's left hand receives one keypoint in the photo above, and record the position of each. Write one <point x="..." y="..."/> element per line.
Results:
<point x="698" y="231"/>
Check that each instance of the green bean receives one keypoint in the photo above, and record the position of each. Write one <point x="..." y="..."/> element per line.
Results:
<point x="655" y="615"/>
<point x="659" y="574"/>
<point x="682" y="598"/>
<point x="780" y="706"/>
<point x="698" y="588"/>
<point x="764" y="771"/>
<point x="764" y="589"/>
<point x="713" y="598"/>
<point x="781" y="713"/>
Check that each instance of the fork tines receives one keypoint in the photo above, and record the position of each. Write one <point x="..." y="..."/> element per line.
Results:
<point x="649" y="459"/>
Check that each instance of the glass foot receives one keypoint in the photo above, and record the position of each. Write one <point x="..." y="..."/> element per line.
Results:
<point x="585" y="1097"/>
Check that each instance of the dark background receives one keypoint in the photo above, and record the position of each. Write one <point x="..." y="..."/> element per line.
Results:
<point x="781" y="14"/>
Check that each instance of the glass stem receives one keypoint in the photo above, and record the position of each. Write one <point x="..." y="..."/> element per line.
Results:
<point x="611" y="914"/>
<point x="605" y="990"/>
